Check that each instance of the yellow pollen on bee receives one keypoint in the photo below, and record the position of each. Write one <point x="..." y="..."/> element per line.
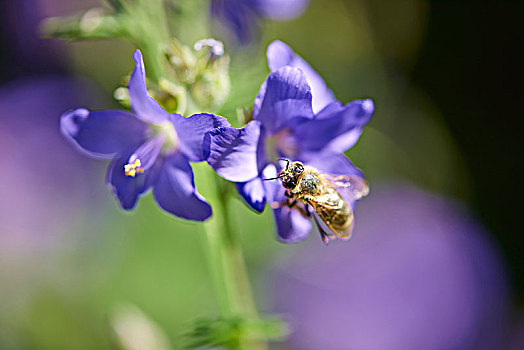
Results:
<point x="134" y="168"/>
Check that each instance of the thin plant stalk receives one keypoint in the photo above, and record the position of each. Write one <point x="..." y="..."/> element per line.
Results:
<point x="227" y="265"/>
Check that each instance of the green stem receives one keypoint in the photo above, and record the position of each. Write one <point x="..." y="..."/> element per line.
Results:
<point x="231" y="282"/>
<point x="148" y="28"/>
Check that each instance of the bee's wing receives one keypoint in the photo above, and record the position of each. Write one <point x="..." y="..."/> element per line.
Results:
<point x="327" y="206"/>
<point x="327" y="233"/>
<point x="353" y="186"/>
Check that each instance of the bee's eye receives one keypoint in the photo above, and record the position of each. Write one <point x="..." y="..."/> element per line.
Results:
<point x="299" y="168"/>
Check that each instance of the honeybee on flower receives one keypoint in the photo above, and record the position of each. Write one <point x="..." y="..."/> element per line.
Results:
<point x="330" y="196"/>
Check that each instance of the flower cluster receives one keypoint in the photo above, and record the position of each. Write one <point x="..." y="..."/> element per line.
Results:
<point x="295" y="116"/>
<point x="149" y="148"/>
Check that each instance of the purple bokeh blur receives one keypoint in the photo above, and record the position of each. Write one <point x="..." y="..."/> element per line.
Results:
<point x="45" y="185"/>
<point x="419" y="273"/>
<point x="243" y="17"/>
<point x="516" y="339"/>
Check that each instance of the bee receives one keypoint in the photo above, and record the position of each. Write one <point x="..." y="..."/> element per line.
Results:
<point x="331" y="197"/>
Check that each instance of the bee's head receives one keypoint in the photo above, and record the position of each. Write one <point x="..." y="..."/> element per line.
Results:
<point x="291" y="174"/>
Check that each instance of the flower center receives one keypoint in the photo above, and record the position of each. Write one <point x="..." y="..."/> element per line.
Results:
<point x="162" y="140"/>
<point x="281" y="143"/>
<point x="167" y="130"/>
<point x="134" y="168"/>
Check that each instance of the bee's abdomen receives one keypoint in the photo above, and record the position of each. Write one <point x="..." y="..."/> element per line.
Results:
<point x="342" y="218"/>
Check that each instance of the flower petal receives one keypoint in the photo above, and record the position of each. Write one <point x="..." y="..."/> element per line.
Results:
<point x="233" y="152"/>
<point x="128" y="189"/>
<point x="280" y="55"/>
<point x="254" y="193"/>
<point x="282" y="9"/>
<point x="336" y="128"/>
<point x="291" y="225"/>
<point x="191" y="132"/>
<point x="145" y="107"/>
<point x="284" y="95"/>
<point x="102" y="134"/>
<point x="175" y="190"/>
<point x="241" y="17"/>
<point x="330" y="163"/>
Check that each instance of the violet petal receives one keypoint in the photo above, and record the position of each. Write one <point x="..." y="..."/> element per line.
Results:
<point x="291" y="225"/>
<point x="336" y="128"/>
<point x="175" y="191"/>
<point x="280" y="54"/>
<point x="331" y="163"/>
<point x="191" y="132"/>
<point x="128" y="189"/>
<point x="284" y="95"/>
<point x="282" y="9"/>
<point x="233" y="152"/>
<point x="253" y="193"/>
<point x="101" y="134"/>
<point x="145" y="107"/>
<point x="241" y="17"/>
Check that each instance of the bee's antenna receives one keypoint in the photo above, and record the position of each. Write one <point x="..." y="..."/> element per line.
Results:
<point x="286" y="160"/>
<point x="274" y="178"/>
<point x="281" y="175"/>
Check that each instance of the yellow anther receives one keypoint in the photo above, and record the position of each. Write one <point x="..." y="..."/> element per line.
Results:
<point x="134" y="168"/>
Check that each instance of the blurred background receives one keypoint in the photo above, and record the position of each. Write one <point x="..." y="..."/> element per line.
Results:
<point x="435" y="260"/>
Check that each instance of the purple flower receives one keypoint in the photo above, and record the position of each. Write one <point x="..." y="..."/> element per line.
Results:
<point x="243" y="17"/>
<point x="280" y="55"/>
<point x="149" y="147"/>
<point x="285" y="126"/>
<point x="420" y="273"/>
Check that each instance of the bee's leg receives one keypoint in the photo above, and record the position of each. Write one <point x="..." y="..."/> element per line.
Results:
<point x="303" y="210"/>
<point x="306" y="209"/>
<point x="292" y="204"/>
<point x="323" y="234"/>
<point x="286" y="203"/>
